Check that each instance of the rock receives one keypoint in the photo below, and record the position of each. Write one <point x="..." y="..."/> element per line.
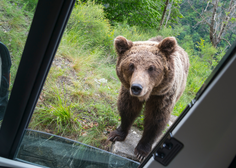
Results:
<point x="126" y="148"/>
<point x="100" y="81"/>
<point x="173" y="118"/>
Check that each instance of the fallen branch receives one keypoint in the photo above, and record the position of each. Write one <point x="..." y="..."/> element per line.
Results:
<point x="226" y="41"/>
<point x="199" y="13"/>
<point x="113" y="78"/>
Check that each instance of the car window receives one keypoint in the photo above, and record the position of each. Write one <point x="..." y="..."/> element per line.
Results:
<point x="79" y="98"/>
<point x="52" y="151"/>
<point x="15" y="20"/>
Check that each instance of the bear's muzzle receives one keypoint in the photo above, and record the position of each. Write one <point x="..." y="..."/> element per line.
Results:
<point x="136" y="89"/>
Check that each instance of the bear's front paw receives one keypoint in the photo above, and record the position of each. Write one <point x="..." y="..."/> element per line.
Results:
<point x="142" y="150"/>
<point x="117" y="135"/>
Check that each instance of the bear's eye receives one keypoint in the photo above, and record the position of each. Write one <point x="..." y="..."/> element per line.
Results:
<point x="131" y="67"/>
<point x="151" y="68"/>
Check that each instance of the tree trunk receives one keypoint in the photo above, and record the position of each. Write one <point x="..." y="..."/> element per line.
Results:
<point x="213" y="19"/>
<point x="168" y="17"/>
<point x="163" y="14"/>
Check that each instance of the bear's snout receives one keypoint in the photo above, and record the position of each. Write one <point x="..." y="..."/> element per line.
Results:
<point x="136" y="89"/>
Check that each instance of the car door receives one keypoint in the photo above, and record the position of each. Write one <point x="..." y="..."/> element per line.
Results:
<point x="204" y="134"/>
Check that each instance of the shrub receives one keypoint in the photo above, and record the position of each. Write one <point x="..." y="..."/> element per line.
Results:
<point x="88" y="29"/>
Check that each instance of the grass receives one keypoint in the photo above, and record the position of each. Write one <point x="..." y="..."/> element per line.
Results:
<point x="79" y="97"/>
<point x="58" y="117"/>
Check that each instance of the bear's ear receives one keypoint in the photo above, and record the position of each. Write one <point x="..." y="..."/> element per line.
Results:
<point x="168" y="45"/>
<point x="122" y="44"/>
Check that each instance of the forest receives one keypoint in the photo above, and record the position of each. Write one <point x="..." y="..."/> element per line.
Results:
<point x="79" y="97"/>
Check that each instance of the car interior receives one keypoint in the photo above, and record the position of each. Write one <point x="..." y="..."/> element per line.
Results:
<point x="203" y="136"/>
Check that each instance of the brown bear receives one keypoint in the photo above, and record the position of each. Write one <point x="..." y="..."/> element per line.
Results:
<point x="152" y="73"/>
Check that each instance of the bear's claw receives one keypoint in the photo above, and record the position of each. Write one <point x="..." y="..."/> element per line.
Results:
<point x="117" y="135"/>
<point x="140" y="157"/>
<point x="141" y="151"/>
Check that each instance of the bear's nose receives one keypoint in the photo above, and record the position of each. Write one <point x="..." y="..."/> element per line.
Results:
<point x="136" y="89"/>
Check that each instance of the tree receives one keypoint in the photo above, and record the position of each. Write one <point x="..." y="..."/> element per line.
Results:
<point x="172" y="15"/>
<point x="218" y="16"/>
<point x="168" y="17"/>
<point x="164" y="13"/>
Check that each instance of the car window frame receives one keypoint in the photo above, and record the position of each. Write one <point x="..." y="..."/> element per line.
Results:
<point x="48" y="25"/>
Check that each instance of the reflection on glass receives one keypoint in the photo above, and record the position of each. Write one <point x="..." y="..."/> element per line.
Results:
<point x="15" y="20"/>
<point x="5" y="65"/>
<point x="54" y="151"/>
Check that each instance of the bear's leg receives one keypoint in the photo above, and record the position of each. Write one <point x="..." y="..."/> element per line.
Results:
<point x="156" y="116"/>
<point x="129" y="108"/>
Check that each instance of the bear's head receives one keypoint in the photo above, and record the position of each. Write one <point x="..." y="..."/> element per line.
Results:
<point x="142" y="66"/>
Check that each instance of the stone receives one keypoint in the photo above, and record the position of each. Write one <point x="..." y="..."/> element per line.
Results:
<point x="126" y="148"/>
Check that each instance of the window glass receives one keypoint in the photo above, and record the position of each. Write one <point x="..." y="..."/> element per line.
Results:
<point x="15" y="20"/>
<point x="79" y="98"/>
<point x="57" y="152"/>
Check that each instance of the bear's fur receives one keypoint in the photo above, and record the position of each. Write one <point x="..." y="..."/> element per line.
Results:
<point x="153" y="73"/>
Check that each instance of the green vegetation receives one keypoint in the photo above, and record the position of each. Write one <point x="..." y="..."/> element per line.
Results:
<point x="142" y="13"/>
<point x="79" y="97"/>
